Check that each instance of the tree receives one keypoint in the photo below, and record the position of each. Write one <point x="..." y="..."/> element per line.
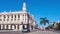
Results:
<point x="44" y="21"/>
<point x="49" y="27"/>
<point x="58" y="26"/>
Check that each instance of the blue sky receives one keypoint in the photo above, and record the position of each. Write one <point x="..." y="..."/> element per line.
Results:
<point x="39" y="8"/>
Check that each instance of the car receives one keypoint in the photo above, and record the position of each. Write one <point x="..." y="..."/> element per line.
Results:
<point x="25" y="30"/>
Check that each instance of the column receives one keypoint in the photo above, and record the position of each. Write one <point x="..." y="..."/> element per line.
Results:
<point x="5" y="27"/>
<point x="13" y="27"/>
<point x="13" y="17"/>
<point x="16" y="27"/>
<point x="25" y="26"/>
<point x="9" y="17"/>
<point x="6" y="17"/>
<point x="20" y="27"/>
<point x="9" y="26"/>
<point x="1" y="27"/>
<point x="16" y="16"/>
<point x="2" y="17"/>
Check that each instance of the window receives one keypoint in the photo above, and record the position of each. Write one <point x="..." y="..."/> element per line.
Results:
<point x="4" y="16"/>
<point x="7" y="19"/>
<point x="23" y="15"/>
<point x="4" y="19"/>
<point x="11" y="16"/>
<point x="18" y="15"/>
<point x="8" y="16"/>
<point x="21" y="22"/>
<point x="15" y="16"/>
<point x="0" y="19"/>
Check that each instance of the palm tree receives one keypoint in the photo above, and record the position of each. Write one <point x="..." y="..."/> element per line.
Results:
<point x="44" y="21"/>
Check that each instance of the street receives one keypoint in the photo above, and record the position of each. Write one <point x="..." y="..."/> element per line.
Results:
<point x="32" y="32"/>
<point x="44" y="32"/>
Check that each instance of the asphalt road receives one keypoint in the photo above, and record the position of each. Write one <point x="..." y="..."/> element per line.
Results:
<point x="44" y="32"/>
<point x="32" y="32"/>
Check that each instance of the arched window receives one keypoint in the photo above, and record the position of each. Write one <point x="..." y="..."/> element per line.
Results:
<point x="18" y="16"/>
<point x="4" y="16"/>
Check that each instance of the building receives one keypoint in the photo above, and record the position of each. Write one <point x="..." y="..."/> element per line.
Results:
<point x="16" y="20"/>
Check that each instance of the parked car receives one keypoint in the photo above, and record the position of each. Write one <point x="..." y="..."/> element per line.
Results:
<point x="25" y="30"/>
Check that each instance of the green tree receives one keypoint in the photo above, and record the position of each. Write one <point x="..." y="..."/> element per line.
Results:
<point x="58" y="26"/>
<point x="44" y="21"/>
<point x="51" y="26"/>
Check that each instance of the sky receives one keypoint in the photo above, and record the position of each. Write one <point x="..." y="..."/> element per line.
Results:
<point x="39" y="8"/>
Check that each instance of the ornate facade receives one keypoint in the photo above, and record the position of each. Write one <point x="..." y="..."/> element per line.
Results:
<point x="16" y="20"/>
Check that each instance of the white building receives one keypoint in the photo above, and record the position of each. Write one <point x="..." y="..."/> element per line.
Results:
<point x="16" y="20"/>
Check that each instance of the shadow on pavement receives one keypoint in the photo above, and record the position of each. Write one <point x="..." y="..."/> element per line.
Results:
<point x="57" y="31"/>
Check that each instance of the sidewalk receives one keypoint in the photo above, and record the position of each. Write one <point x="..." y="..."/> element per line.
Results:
<point x="10" y="31"/>
<point x="33" y="30"/>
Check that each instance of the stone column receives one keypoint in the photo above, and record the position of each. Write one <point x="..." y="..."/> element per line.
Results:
<point x="13" y="27"/>
<point x="6" y="17"/>
<point x="1" y="27"/>
<point x="16" y="27"/>
<point x="2" y="17"/>
<point x="25" y="26"/>
<point x="13" y="17"/>
<point x="9" y="17"/>
<point x="9" y="26"/>
<point x="5" y="27"/>
<point x="20" y="27"/>
<point x="17" y="17"/>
